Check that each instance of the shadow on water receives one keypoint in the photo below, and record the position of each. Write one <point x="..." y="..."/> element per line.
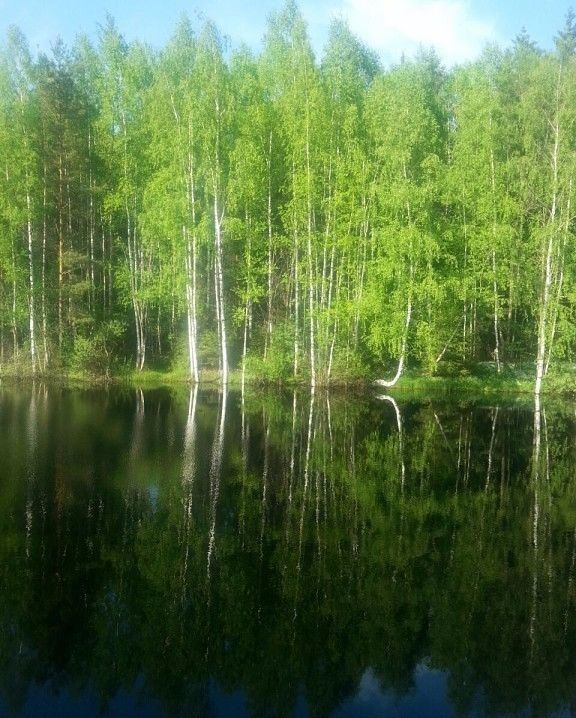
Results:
<point x="225" y="554"/>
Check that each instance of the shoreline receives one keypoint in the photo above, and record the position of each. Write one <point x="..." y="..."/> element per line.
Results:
<point x="472" y="385"/>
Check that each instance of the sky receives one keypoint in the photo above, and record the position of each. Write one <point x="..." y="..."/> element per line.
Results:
<point x="458" y="29"/>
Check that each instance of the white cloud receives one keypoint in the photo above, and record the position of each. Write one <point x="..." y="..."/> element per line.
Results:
<point x="393" y="27"/>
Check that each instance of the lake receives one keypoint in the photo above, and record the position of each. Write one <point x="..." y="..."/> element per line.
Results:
<point x="168" y="554"/>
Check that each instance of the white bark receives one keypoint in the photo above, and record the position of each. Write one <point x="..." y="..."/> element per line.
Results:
<point x="559" y="279"/>
<point x="43" y="299"/>
<point x="190" y="266"/>
<point x="190" y="245"/>
<point x="390" y="400"/>
<point x="494" y="276"/>
<point x="60" y="253"/>
<point x="215" y="475"/>
<point x="14" y="302"/>
<point x="394" y="380"/>
<point x="248" y="300"/>
<point x="496" y="327"/>
<point x="219" y="289"/>
<point x="547" y="269"/>
<point x="135" y="262"/>
<point x="311" y="310"/>
<point x="269" y="220"/>
<point x="306" y="478"/>
<point x="536" y="459"/>
<point x="189" y="459"/>
<point x="31" y="302"/>
<point x="92" y="294"/>
<point x="296" y="299"/>
<point x="311" y="307"/>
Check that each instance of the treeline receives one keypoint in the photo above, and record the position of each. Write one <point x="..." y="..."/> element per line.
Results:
<point x="206" y="208"/>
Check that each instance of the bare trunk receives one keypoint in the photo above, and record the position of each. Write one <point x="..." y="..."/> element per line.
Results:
<point x="190" y="243"/>
<point x="296" y="300"/>
<point x="219" y="290"/>
<point x="31" y="302"/>
<point x="547" y="259"/>
<point x="393" y="381"/>
<point x="559" y="278"/>
<point x="311" y="310"/>
<point x="14" y="303"/>
<point x="494" y="275"/>
<point x="92" y="227"/>
<point x="135" y="261"/>
<point x="542" y="322"/>
<point x="361" y="273"/>
<point x="496" y="327"/>
<point x="465" y="274"/>
<point x="193" y="262"/>
<point x="60" y="255"/>
<point x="43" y="299"/>
<point x="268" y="338"/>
<point x="190" y="263"/>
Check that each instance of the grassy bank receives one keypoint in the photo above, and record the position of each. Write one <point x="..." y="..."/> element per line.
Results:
<point x="472" y="384"/>
<point x="481" y="380"/>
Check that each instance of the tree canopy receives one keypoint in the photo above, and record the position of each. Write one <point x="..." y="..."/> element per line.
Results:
<point x="208" y="208"/>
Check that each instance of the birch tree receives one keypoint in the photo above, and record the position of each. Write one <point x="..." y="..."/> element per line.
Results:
<point x="214" y="103"/>
<point x="404" y="134"/>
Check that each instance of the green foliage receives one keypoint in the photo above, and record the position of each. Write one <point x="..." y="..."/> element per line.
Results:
<point x="96" y="354"/>
<point x="277" y="366"/>
<point x="338" y="214"/>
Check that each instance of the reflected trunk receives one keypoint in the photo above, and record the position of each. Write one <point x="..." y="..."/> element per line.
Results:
<point x="215" y="476"/>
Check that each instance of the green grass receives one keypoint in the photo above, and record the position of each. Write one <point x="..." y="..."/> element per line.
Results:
<point x="457" y="388"/>
<point x="476" y="381"/>
<point x="475" y="384"/>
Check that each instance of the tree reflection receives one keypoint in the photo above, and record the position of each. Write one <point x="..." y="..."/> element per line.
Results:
<point x="282" y="549"/>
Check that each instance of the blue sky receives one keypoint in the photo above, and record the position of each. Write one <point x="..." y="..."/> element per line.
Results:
<point x="457" y="28"/>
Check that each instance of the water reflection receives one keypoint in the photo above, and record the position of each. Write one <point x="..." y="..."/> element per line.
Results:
<point x="215" y="554"/>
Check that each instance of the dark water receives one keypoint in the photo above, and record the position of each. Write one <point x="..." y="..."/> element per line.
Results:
<point x="171" y="555"/>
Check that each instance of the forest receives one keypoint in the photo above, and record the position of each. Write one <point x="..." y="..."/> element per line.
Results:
<point x="204" y="209"/>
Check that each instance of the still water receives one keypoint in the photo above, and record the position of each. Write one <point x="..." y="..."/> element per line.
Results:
<point x="167" y="555"/>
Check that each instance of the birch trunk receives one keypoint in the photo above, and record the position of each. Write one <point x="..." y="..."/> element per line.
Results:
<point x="14" y="302"/>
<point x="268" y="338"/>
<point x="219" y="290"/>
<point x="296" y="299"/>
<point x="494" y="275"/>
<point x="389" y="383"/>
<point x="247" y="305"/>
<point x="190" y="244"/>
<point x="394" y="380"/>
<point x="311" y="308"/>
<point x="135" y="262"/>
<point x="43" y="297"/>
<point x="547" y="256"/>
<point x="559" y="279"/>
<point x="60" y="254"/>
<point x="31" y="302"/>
<point x="191" y="265"/>
<point x="92" y="227"/>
